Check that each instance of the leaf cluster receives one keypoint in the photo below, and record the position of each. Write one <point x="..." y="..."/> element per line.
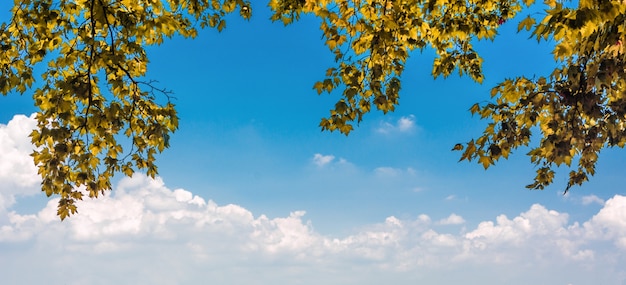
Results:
<point x="98" y="115"/>
<point x="372" y="39"/>
<point x="578" y="110"/>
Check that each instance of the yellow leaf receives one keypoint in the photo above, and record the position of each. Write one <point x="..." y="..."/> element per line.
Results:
<point x="458" y="146"/>
<point x="486" y="161"/>
<point x="526" y="24"/>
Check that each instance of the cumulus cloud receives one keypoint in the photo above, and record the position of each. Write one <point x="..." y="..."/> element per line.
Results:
<point x="610" y="222"/>
<point x="537" y="220"/>
<point x="540" y="232"/>
<point x="405" y="124"/>
<point x="321" y="160"/>
<point x="18" y="174"/>
<point x="453" y="219"/>
<point x="146" y="233"/>
<point x="144" y="220"/>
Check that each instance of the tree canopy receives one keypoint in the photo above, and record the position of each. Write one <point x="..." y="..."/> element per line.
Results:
<point x="99" y="114"/>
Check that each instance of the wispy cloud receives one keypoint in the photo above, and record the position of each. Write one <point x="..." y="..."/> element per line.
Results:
<point x="591" y="199"/>
<point x="321" y="160"/>
<point x="405" y="124"/>
<point x="387" y="171"/>
<point x="450" y="197"/>
<point x="418" y="189"/>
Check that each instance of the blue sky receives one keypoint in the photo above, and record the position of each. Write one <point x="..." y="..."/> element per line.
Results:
<point x="251" y="192"/>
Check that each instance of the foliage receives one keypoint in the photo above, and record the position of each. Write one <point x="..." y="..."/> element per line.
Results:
<point x="578" y="109"/>
<point x="93" y="96"/>
<point x="93" y="92"/>
<point x="372" y="39"/>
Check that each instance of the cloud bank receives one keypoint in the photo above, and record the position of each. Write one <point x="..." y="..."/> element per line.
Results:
<point x="144" y="222"/>
<point x="146" y="233"/>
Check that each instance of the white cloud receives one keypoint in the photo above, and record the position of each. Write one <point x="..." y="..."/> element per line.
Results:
<point x="536" y="221"/>
<point x="143" y="221"/>
<point x="144" y="232"/>
<point x="590" y="199"/>
<point x="321" y="160"/>
<point x="405" y="124"/>
<point x="387" y="171"/>
<point x="18" y="174"/>
<point x="610" y="222"/>
<point x="418" y="189"/>
<point x="450" y="197"/>
<point x="453" y="219"/>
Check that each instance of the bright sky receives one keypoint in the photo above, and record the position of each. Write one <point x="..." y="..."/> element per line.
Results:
<point x="251" y="192"/>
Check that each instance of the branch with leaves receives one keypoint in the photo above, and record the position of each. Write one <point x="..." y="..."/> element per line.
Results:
<point x="372" y="40"/>
<point x="99" y="115"/>
<point x="577" y="110"/>
<point x="93" y="96"/>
